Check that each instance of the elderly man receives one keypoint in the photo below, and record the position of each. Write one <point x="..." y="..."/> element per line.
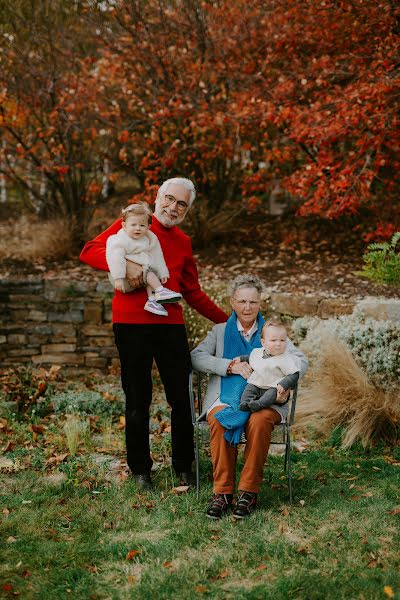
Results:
<point x="141" y="336"/>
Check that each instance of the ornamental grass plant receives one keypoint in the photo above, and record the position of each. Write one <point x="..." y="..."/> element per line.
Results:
<point x="353" y="378"/>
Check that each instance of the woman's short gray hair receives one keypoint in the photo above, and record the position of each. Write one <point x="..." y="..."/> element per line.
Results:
<point x="245" y="281"/>
<point x="186" y="183"/>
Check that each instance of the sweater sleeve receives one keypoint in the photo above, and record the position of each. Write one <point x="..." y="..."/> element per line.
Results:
<point x="195" y="296"/>
<point x="115" y="256"/>
<point x="204" y="359"/>
<point x="94" y="252"/>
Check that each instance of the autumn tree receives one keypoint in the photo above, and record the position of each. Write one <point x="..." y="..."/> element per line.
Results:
<point x="239" y="95"/>
<point x="52" y="142"/>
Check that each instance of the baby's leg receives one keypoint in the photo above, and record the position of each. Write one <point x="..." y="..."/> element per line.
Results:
<point x="250" y="395"/>
<point x="152" y="281"/>
<point x="265" y="400"/>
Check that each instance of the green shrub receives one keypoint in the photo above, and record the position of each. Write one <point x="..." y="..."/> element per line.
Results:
<point x="382" y="262"/>
<point x="87" y="402"/>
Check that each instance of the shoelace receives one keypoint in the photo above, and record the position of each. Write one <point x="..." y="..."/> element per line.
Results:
<point x="246" y="498"/>
<point x="219" y="501"/>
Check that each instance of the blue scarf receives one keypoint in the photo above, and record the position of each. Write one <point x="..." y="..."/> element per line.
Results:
<point x="232" y="386"/>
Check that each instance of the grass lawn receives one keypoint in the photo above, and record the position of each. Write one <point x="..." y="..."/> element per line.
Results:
<point x="74" y="526"/>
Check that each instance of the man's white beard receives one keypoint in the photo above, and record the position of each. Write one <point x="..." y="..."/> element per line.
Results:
<point x="167" y="221"/>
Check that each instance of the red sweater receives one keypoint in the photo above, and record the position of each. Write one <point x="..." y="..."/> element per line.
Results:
<point x="177" y="249"/>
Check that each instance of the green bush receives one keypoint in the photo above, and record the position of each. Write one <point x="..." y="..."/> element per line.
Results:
<point x="382" y="262"/>
<point x="87" y="402"/>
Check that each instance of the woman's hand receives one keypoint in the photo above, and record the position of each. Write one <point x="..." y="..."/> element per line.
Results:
<point x="134" y="274"/>
<point x="241" y="368"/>
<point x="281" y="394"/>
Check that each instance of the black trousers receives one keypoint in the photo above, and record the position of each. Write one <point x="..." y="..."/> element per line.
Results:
<point x="137" y="346"/>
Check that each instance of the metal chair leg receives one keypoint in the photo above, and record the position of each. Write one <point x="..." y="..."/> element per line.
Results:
<point x="289" y="465"/>
<point x="197" y="461"/>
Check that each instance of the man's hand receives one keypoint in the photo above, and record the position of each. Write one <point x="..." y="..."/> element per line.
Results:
<point x="241" y="368"/>
<point x="281" y="394"/>
<point x="134" y="274"/>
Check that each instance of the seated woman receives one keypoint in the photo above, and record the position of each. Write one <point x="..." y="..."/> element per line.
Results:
<point x="219" y="355"/>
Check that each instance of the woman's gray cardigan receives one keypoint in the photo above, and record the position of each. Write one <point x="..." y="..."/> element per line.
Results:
<point x="207" y="358"/>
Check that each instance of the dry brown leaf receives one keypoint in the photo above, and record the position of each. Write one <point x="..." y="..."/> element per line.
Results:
<point x="388" y="590"/>
<point x="168" y="564"/>
<point x="201" y="589"/>
<point x="222" y="575"/>
<point x="57" y="459"/>
<point x="261" y="567"/>
<point x="131" y="579"/>
<point x="10" y="446"/>
<point x="132" y="553"/>
<point x="11" y="539"/>
<point x="121" y="423"/>
<point x="367" y="495"/>
<point x="395" y="511"/>
<point x="355" y="498"/>
<point x="37" y="428"/>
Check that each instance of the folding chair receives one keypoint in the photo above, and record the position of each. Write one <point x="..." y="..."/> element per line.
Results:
<point x="280" y="435"/>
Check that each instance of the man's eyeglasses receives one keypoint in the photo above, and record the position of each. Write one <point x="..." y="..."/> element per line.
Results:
<point x="180" y="204"/>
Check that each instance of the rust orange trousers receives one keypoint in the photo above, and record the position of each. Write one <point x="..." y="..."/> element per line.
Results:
<point x="258" y="431"/>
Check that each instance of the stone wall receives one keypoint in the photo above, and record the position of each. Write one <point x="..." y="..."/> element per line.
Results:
<point x="57" y="321"/>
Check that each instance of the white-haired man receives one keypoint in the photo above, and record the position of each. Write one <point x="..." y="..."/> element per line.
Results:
<point x="141" y="336"/>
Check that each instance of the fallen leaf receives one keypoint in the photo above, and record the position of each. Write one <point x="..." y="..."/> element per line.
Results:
<point x="355" y="498"/>
<point x="221" y="575"/>
<point x="132" y="553"/>
<point x="285" y="511"/>
<point x="376" y="469"/>
<point x="261" y="567"/>
<point x="131" y="579"/>
<point x="121" y="423"/>
<point x="388" y="591"/>
<point x="303" y="549"/>
<point x="57" y="459"/>
<point x="181" y="489"/>
<point x="5" y="512"/>
<point x="201" y="589"/>
<point x="168" y="564"/>
<point x="394" y="511"/>
<point x="367" y="495"/>
<point x="9" y="447"/>
<point x="11" y="539"/>
<point x="37" y="428"/>
<point x="7" y="587"/>
<point x="302" y="502"/>
<point x="26" y="574"/>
